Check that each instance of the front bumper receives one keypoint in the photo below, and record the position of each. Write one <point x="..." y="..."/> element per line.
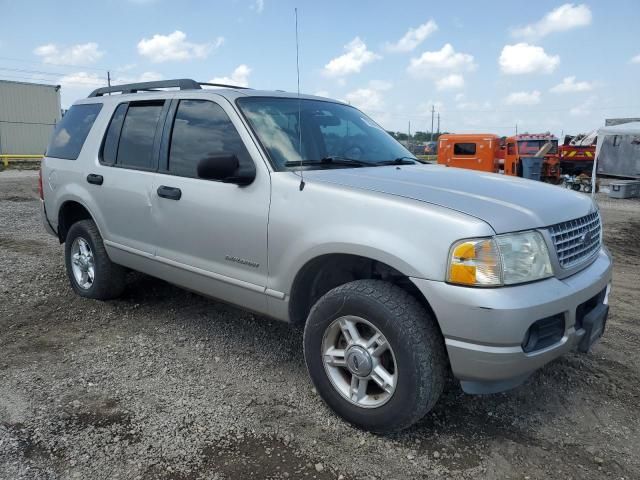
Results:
<point x="484" y="328"/>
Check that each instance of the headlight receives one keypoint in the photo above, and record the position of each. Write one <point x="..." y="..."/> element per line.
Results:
<point x="475" y="262"/>
<point x="501" y="260"/>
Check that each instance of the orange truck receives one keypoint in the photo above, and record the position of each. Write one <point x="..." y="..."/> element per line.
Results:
<point x="488" y="153"/>
<point x="528" y="145"/>
<point x="475" y="151"/>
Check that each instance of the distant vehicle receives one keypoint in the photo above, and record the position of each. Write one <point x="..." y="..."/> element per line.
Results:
<point x="303" y="209"/>
<point x="575" y="157"/>
<point x="529" y="145"/>
<point x="430" y="148"/>
<point x="489" y="153"/>
<point x="474" y="151"/>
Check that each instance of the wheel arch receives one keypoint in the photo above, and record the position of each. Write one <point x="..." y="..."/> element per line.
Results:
<point x="327" y="271"/>
<point x="70" y="212"/>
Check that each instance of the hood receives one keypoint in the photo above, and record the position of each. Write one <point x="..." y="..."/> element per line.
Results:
<point x="506" y="203"/>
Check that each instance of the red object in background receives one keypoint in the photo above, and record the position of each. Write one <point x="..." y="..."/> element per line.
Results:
<point x="575" y="160"/>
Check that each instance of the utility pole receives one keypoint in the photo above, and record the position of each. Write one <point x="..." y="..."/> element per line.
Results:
<point x="409" y="135"/>
<point x="438" y="124"/>
<point x="433" y="110"/>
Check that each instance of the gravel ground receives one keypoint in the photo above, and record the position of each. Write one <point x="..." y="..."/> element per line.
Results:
<point x="164" y="384"/>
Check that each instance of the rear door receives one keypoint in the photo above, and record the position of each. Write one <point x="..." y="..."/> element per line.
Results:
<point x="214" y="232"/>
<point x="128" y="160"/>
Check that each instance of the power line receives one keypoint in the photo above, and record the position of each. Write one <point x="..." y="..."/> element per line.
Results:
<point x="78" y="81"/>
<point x="26" y="123"/>
<point x="38" y="72"/>
<point x="56" y="64"/>
<point x="454" y="114"/>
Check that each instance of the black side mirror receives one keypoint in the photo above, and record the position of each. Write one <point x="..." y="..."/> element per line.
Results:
<point x="225" y="168"/>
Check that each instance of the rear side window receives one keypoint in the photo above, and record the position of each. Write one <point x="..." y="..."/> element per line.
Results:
<point x="110" y="148"/>
<point x="202" y="129"/>
<point x="135" y="148"/>
<point x="464" y="148"/>
<point x="71" y="132"/>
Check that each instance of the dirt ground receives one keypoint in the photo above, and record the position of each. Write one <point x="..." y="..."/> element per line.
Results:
<point x="164" y="384"/>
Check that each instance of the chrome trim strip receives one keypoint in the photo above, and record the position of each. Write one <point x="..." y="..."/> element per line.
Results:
<point x="215" y="276"/>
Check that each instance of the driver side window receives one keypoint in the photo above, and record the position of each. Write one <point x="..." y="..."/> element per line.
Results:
<point x="202" y="129"/>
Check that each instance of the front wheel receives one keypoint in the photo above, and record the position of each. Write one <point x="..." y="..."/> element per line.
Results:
<point x="375" y="355"/>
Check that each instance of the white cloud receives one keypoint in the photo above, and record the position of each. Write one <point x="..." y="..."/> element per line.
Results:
<point x="357" y="55"/>
<point x="473" y="106"/>
<point x="380" y="85"/>
<point x="239" y="77"/>
<point x="523" y="98"/>
<point x="435" y="63"/>
<point x="569" y="85"/>
<point x="524" y="58"/>
<point x="370" y="97"/>
<point x="83" y="79"/>
<point x="413" y="37"/>
<point x="74" y="55"/>
<point x="584" y="108"/>
<point x="258" y="6"/>
<point x="163" y="48"/>
<point x="563" y="18"/>
<point x="365" y="99"/>
<point x="143" y="77"/>
<point x="635" y="59"/>
<point x="455" y="81"/>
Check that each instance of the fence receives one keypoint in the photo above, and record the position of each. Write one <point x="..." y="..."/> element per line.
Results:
<point x="23" y="160"/>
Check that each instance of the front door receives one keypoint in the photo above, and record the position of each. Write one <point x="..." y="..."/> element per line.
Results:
<point x="213" y="233"/>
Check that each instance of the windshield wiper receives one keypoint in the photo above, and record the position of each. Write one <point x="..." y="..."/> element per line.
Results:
<point x="399" y="161"/>
<point x="329" y="161"/>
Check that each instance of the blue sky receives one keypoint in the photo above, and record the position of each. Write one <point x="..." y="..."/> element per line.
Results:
<point x="544" y="65"/>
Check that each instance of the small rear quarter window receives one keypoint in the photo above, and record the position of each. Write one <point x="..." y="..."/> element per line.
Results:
<point x="71" y="132"/>
<point x="464" y="149"/>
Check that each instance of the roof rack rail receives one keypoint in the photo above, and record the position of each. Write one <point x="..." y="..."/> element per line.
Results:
<point x="225" y="85"/>
<point x="181" y="83"/>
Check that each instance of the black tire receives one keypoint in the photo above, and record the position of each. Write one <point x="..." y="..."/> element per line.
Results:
<point x="416" y="341"/>
<point x="109" y="278"/>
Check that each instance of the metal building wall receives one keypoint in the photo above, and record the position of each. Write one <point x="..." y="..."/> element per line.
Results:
<point x="28" y="114"/>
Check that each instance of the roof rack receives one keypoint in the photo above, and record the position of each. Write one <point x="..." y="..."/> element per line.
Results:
<point x="181" y="83"/>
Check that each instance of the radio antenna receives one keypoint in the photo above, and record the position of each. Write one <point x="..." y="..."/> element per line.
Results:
<point x="299" y="105"/>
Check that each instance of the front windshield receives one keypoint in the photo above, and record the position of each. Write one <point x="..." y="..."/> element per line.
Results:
<point x="332" y="134"/>
<point x="531" y="147"/>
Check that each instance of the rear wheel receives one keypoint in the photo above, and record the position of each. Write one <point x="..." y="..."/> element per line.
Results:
<point x="375" y="355"/>
<point x="91" y="273"/>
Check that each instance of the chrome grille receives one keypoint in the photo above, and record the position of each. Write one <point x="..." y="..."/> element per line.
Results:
<point x="577" y="240"/>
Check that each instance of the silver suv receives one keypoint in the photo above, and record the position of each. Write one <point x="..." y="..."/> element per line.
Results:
<point x="303" y="209"/>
